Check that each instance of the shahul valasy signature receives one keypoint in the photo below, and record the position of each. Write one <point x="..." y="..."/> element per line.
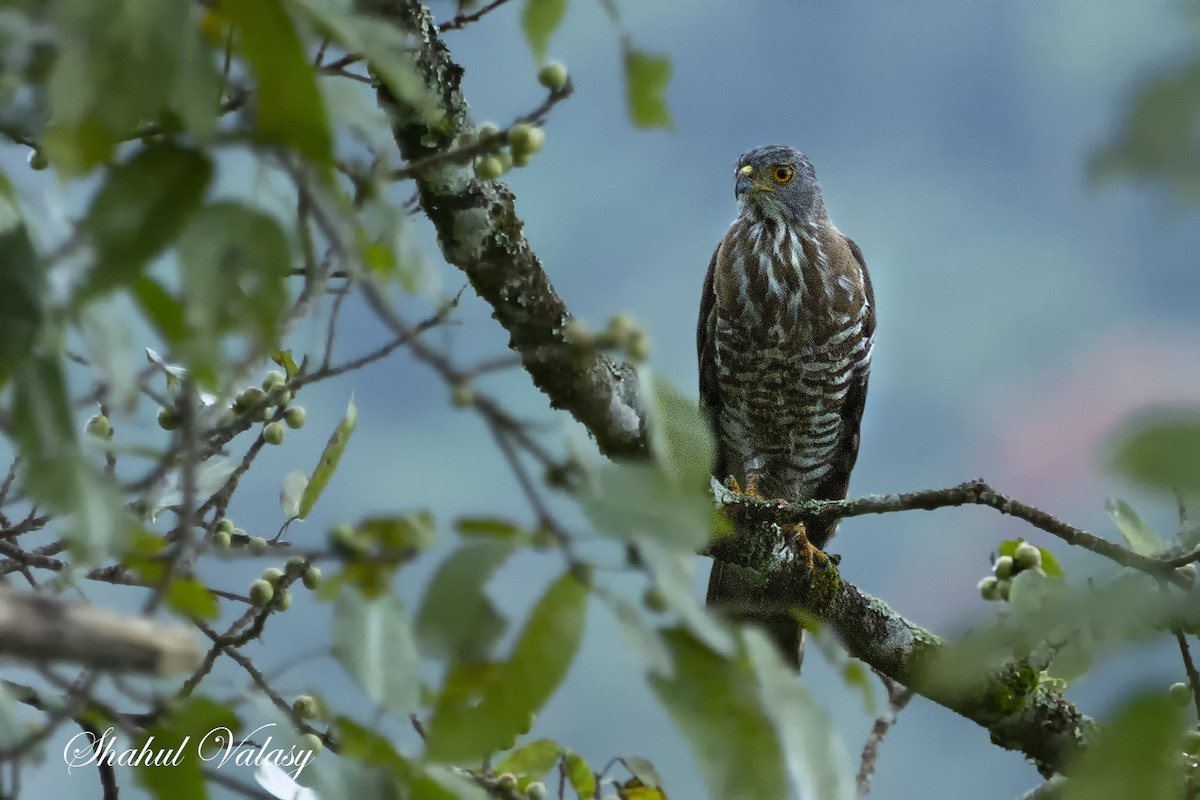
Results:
<point x="217" y="747"/>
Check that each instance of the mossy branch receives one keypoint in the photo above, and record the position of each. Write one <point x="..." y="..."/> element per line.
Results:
<point x="480" y="233"/>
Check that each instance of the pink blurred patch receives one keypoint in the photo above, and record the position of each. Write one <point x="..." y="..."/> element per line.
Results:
<point x="1052" y="430"/>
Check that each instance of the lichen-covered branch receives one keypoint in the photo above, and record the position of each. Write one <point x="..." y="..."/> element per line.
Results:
<point x="39" y="629"/>
<point x="977" y="492"/>
<point x="1020" y="711"/>
<point x="480" y="233"/>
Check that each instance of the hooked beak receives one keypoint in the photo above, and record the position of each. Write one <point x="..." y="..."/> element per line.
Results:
<point x="744" y="182"/>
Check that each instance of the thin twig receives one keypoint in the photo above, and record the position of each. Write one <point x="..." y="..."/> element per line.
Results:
<point x="898" y="697"/>
<point x="462" y="20"/>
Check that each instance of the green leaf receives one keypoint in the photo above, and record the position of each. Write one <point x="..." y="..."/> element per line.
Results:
<point x="289" y="109"/>
<point x="457" y="620"/>
<point x="139" y="211"/>
<point x="284" y="359"/>
<point x="120" y="66"/>
<point x="56" y="474"/>
<point x="183" y="730"/>
<point x="235" y="260"/>
<point x="21" y="286"/>
<point x="580" y="775"/>
<point x="161" y="308"/>
<point x="484" y="707"/>
<point x="672" y="573"/>
<point x="329" y="460"/>
<point x="1157" y="141"/>
<point x="384" y="47"/>
<point x="639" y="634"/>
<point x="646" y="79"/>
<point x="373" y="640"/>
<point x="192" y="599"/>
<point x="1161" y="451"/>
<point x="637" y="502"/>
<point x="715" y="702"/>
<point x="491" y="528"/>
<point x="540" y="19"/>
<point x="532" y="760"/>
<point x="804" y="730"/>
<point x="1140" y="537"/>
<point x="12" y="728"/>
<point x="294" y="485"/>
<point x="680" y="437"/>
<point x="643" y="770"/>
<point x="1137" y="755"/>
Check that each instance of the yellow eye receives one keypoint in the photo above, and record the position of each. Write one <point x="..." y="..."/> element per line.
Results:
<point x="781" y="173"/>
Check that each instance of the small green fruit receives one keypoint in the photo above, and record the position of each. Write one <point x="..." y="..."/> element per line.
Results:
<point x="506" y="160"/>
<point x="1005" y="590"/>
<point x="225" y="524"/>
<point x="507" y="780"/>
<point x="536" y="791"/>
<point x="279" y="396"/>
<point x="294" y="417"/>
<point x="312" y="578"/>
<point x="283" y="600"/>
<point x="305" y="706"/>
<point x="99" y="426"/>
<point x="1027" y="556"/>
<point x="486" y="131"/>
<point x="521" y="159"/>
<point x="261" y="593"/>
<point x="525" y="139"/>
<point x="272" y="574"/>
<point x="250" y="398"/>
<point x="1180" y="693"/>
<point x="312" y="743"/>
<point x="989" y="588"/>
<point x="488" y="168"/>
<point x="1191" y="742"/>
<point x="273" y="433"/>
<point x="274" y="378"/>
<point x="38" y="160"/>
<point x="553" y="76"/>
<point x="222" y="539"/>
<point x="294" y="565"/>
<point x="168" y="420"/>
<point x="257" y="546"/>
<point x="1003" y="568"/>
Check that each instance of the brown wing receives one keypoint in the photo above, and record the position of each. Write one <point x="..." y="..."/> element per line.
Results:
<point x="710" y="395"/>
<point x="837" y="481"/>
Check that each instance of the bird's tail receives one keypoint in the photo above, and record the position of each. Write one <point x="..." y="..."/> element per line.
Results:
<point x="736" y="593"/>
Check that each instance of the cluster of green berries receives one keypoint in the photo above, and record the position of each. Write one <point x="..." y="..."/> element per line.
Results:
<point x="622" y="334"/>
<point x="998" y="585"/>
<point x="514" y="149"/>
<point x="507" y="784"/>
<point x="271" y="589"/>
<point x="261" y="401"/>
<point x="517" y="145"/>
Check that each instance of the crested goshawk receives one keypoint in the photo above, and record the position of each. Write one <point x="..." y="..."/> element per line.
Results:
<point x="784" y="340"/>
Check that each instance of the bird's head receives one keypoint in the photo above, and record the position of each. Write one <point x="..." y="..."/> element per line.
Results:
<point x="778" y="181"/>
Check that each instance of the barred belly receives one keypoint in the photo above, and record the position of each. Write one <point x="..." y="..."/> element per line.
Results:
<point x="782" y="396"/>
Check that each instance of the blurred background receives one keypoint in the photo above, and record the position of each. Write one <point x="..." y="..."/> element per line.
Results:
<point x="1023" y="313"/>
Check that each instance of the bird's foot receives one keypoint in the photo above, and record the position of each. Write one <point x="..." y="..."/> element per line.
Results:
<point x="808" y="554"/>
<point x="751" y="489"/>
